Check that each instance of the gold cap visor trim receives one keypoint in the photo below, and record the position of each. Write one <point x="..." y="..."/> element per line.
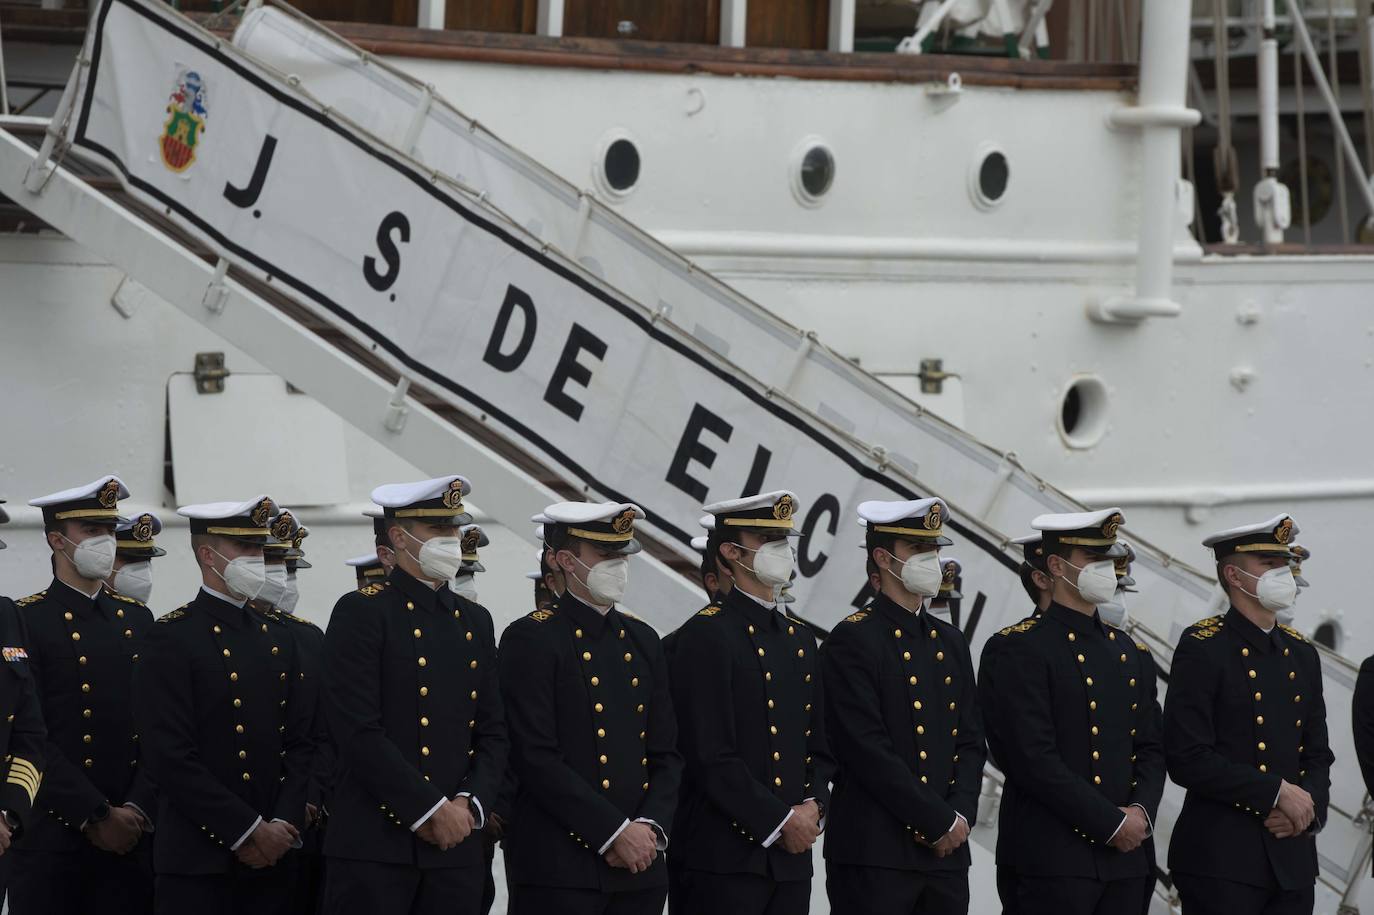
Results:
<point x="599" y="537"/>
<point x="759" y="522"/>
<point x="237" y="531"/>
<point x="1263" y="548"/>
<point x="908" y="531"/>
<point x="94" y="513"/>
<point x="1087" y="541"/>
<point x="430" y="512"/>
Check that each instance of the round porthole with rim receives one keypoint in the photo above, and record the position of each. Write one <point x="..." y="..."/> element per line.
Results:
<point x="989" y="176"/>
<point x="812" y="171"/>
<point x="1082" y="417"/>
<point x="617" y="164"/>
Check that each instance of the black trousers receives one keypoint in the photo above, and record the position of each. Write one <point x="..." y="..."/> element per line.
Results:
<point x="370" y="888"/>
<point x="243" y="892"/>
<point x="1078" y="896"/>
<point x="308" y="894"/>
<point x="1212" y="896"/>
<point x="85" y="880"/>
<point x="857" y="890"/>
<point x="489" y="882"/>
<point x="702" y="893"/>
<point x="548" y="900"/>
<point x="1006" y="890"/>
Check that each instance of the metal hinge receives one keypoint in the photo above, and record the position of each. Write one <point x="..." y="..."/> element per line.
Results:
<point x="210" y="373"/>
<point x="933" y="375"/>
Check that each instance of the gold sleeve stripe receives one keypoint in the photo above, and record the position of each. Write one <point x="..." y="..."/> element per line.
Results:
<point x="23" y="781"/>
<point x="19" y="764"/>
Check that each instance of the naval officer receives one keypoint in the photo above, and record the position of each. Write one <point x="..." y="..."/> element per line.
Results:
<point x="1245" y="733"/>
<point x="416" y="715"/>
<point x="89" y="845"/>
<point x="226" y="729"/>
<point x="135" y="550"/>
<point x="902" y="714"/>
<point x="751" y="727"/>
<point x="1076" y="703"/>
<point x="594" y="738"/>
<point x="22" y="734"/>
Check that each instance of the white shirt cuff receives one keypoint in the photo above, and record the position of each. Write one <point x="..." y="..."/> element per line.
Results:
<point x="1278" y="794"/>
<point x="957" y="817"/>
<point x="773" y="836"/>
<point x="147" y="820"/>
<point x="660" y="837"/>
<point x="421" y="821"/>
<point x="615" y="835"/>
<point x="1124" y="818"/>
<point x="297" y="843"/>
<point x="244" y="838"/>
<point x="481" y="818"/>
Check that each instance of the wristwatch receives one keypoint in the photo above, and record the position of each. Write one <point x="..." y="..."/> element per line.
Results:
<point x="100" y="813"/>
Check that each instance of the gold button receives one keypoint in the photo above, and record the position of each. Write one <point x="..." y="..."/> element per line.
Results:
<point x="424" y="691"/>
<point x="916" y="704"/>
<point x="603" y="759"/>
<point x="1123" y="659"/>
<point x="634" y="681"/>
<point x="1097" y="779"/>
<point x="238" y="703"/>
<point x="82" y="659"/>
<point x="951" y="706"/>
<point x="424" y="751"/>
<point x="424" y="721"/>
<point x="1258" y="696"/>
<point x="474" y="695"/>
<point x="640" y="709"/>
<point x="939" y="655"/>
<point x="417" y="633"/>
<point x="600" y="732"/>
<point x="1292" y="675"/>
<point x="605" y="784"/>
<point x="1096" y="755"/>
<point x="923" y="780"/>
<point x="226" y="652"/>
<point x="1285" y="652"/>
<point x="629" y="656"/>
<point x="777" y="756"/>
<point x="1297" y="698"/>
<point x="923" y="754"/>
<point x="948" y="680"/>
<point x="577" y="633"/>
<point x="468" y="636"/>
<point x="238" y="728"/>
<point x="777" y="780"/>
<point x="920" y="729"/>
<point x="276" y="650"/>
<point x="895" y="632"/>
<point x="586" y="655"/>
<point x="770" y="703"/>
<point x="85" y="713"/>
<point x="88" y="763"/>
<point x="233" y="676"/>
<point x="243" y="754"/>
<point x="954" y="732"/>
<point x="913" y="681"/>
<point x="85" y="687"/>
<point x="1132" y="683"/>
<point x="1299" y="722"/>
<point x="906" y="656"/>
<point x="76" y="636"/>
<point x="1092" y="705"/>
<point x="1261" y="744"/>
<point x="801" y="652"/>
<point x="772" y="729"/>
<point x="1095" y="731"/>
<point x="473" y="664"/>
<point x="119" y="613"/>
<point x="596" y="681"/>
<point x="422" y="662"/>
<point x="1245" y="652"/>
<point x="598" y="707"/>
<point x="932" y="633"/>
<point x="751" y="628"/>
<point x="247" y="777"/>
<point x="128" y="633"/>
<point x="1072" y="637"/>
<point x="409" y="605"/>
<point x="86" y="738"/>
<point x="67" y="616"/>
<point x="791" y="630"/>
<point x="768" y="675"/>
<point x="1259" y="719"/>
<point x="216" y="630"/>
<point x="1252" y="674"/>
<point x="1263" y="767"/>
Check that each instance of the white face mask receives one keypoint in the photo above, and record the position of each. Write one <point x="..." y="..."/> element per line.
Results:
<point x="245" y="576"/>
<point x="1113" y="612"/>
<point x="1096" y="581"/>
<point x="94" y="557"/>
<point x="606" y="580"/>
<point x="773" y="563"/>
<point x="135" y="579"/>
<point x="274" y="587"/>
<point x="1276" y="590"/>
<point x="921" y="574"/>
<point x="290" y="594"/>
<point x="440" y="558"/>
<point x="464" y="586"/>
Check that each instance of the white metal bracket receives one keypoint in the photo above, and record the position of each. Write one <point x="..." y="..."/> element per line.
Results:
<point x="216" y="293"/>
<point x="396" y="409"/>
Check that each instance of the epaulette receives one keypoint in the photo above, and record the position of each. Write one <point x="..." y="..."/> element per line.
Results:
<point x="1294" y="633"/>
<point x="1143" y="647"/>
<point x="294" y="618"/>
<point x="1202" y="633"/>
<point x="32" y="598"/>
<point x="125" y="598"/>
<point x="372" y="590"/>
<point x="1024" y="626"/>
<point x="857" y="617"/>
<point x="540" y="616"/>
<point x="174" y="615"/>
<point x="1209" y="622"/>
<point x="629" y="616"/>
<point x="708" y="611"/>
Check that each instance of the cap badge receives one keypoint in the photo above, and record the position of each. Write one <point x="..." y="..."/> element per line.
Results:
<point x="453" y="496"/>
<point x="784" y="508"/>
<point x="933" y="518"/>
<point x="1284" y="532"/>
<point x="281" y="526"/>
<point x="261" y="513"/>
<point x="1112" y="524"/>
<point x="142" y="529"/>
<point x="109" y="494"/>
<point x="624" y="522"/>
<point x="471" y="540"/>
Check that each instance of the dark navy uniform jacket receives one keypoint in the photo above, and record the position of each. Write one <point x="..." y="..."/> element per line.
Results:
<point x="416" y="715"/>
<point x="22" y="734"/>
<point x="225" y="730"/>
<point x="751" y="727"/>
<point x="1076" y="702"/>
<point x="1244" y="713"/>
<point x="83" y="653"/>
<point x="594" y="743"/>
<point x="902" y="714"/>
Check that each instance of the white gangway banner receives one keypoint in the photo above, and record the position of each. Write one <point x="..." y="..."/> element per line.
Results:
<point x="609" y="392"/>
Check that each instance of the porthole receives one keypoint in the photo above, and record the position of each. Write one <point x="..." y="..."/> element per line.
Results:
<point x="617" y="166"/>
<point x="989" y="176"/>
<point x="812" y="168"/>
<point x="1083" y="412"/>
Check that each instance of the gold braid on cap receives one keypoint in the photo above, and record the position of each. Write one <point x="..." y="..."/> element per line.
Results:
<point x="453" y="496"/>
<point x="142" y="529"/>
<point x="624" y="522"/>
<point x="109" y="494"/>
<point x="261" y="513"/>
<point x="1284" y="532"/>
<point x="784" y="508"/>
